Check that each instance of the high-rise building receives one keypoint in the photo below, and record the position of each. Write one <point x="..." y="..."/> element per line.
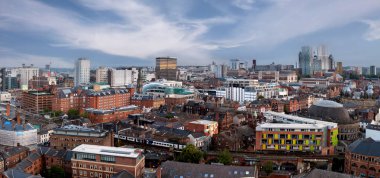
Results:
<point x="26" y="73"/>
<point x="372" y="70"/>
<point x="253" y="64"/>
<point x="234" y="64"/>
<point x="339" y="67"/>
<point x="166" y="68"/>
<point x="102" y="75"/>
<point x="82" y="71"/>
<point x="306" y="60"/>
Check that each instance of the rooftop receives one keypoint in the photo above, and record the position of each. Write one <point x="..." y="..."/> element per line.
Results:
<point x="328" y="103"/>
<point x="303" y="120"/>
<point x="291" y="126"/>
<point x="367" y="147"/>
<point x="203" y="122"/>
<point x="106" y="150"/>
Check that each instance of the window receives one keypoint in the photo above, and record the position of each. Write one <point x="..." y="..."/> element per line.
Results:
<point x="85" y="173"/>
<point x="106" y="158"/>
<point x="74" y="171"/>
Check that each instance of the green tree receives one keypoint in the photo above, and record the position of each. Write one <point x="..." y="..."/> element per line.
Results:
<point x="268" y="167"/>
<point x="56" y="172"/>
<point x="84" y="115"/>
<point x="260" y="97"/>
<point x="225" y="157"/>
<point x="190" y="154"/>
<point x="73" y="113"/>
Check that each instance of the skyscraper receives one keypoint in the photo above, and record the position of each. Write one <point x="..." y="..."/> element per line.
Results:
<point x="305" y="58"/>
<point x="82" y="71"/>
<point x="166" y="68"/>
<point x="26" y="73"/>
<point x="253" y="64"/>
<point x="235" y="64"/>
<point x="339" y="67"/>
<point x="372" y="70"/>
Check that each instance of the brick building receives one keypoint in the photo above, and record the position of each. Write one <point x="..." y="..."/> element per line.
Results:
<point x="362" y="158"/>
<point x="70" y="136"/>
<point x="13" y="155"/>
<point x="207" y="127"/>
<point x="104" y="161"/>
<point x="36" y="102"/>
<point x="147" y="101"/>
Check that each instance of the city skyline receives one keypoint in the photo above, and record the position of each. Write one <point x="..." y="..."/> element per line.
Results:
<point x="196" y="32"/>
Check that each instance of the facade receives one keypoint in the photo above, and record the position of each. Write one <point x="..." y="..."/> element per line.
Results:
<point x="305" y="58"/>
<point x="372" y="70"/>
<point x="11" y="155"/>
<point x="339" y="68"/>
<point x="362" y="158"/>
<point x="26" y="73"/>
<point x="209" y="128"/>
<point x="71" y="136"/>
<point x="104" y="161"/>
<point x="293" y="133"/>
<point x="147" y="101"/>
<point x="82" y="72"/>
<point x="5" y="96"/>
<point x="166" y="68"/>
<point x="102" y="75"/>
<point x="122" y="77"/>
<point x="36" y="102"/>
<point x="315" y="82"/>
<point x="42" y="82"/>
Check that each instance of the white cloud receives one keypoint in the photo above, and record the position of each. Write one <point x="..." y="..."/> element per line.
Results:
<point x="243" y="4"/>
<point x="373" y="32"/>
<point x="284" y="20"/>
<point x="142" y="32"/>
<point x="11" y="58"/>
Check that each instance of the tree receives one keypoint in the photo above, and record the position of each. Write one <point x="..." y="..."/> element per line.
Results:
<point x="260" y="97"/>
<point x="268" y="167"/>
<point x="84" y="115"/>
<point x="225" y="157"/>
<point x="56" y="172"/>
<point x="190" y="154"/>
<point x="73" y="113"/>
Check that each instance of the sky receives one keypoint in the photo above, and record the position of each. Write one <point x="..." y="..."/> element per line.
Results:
<point x="197" y="32"/>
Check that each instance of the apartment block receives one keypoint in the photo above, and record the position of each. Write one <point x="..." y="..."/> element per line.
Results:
<point x="104" y="161"/>
<point x="293" y="133"/>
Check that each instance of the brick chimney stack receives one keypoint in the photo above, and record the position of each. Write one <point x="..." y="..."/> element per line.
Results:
<point x="18" y="119"/>
<point x="8" y="110"/>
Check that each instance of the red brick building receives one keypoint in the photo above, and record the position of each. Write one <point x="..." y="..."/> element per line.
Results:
<point x="103" y="161"/>
<point x="209" y="128"/>
<point x="147" y="101"/>
<point x="71" y="136"/>
<point x="36" y="101"/>
<point x="362" y="158"/>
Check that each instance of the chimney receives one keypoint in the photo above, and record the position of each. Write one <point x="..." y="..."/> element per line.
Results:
<point x="18" y="119"/>
<point x="8" y="109"/>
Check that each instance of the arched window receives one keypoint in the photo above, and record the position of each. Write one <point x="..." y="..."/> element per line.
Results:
<point x="372" y="169"/>
<point x="363" y="167"/>
<point x="354" y="165"/>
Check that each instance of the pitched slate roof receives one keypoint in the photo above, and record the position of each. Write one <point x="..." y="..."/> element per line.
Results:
<point x="318" y="173"/>
<point x="368" y="147"/>
<point x="14" y="173"/>
<point x="177" y="169"/>
<point x="123" y="174"/>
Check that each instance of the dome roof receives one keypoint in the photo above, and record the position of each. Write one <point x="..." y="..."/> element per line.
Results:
<point x="330" y="111"/>
<point x="328" y="103"/>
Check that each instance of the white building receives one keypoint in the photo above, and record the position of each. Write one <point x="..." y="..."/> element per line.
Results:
<point x="122" y="77"/>
<point x="5" y="96"/>
<point x="82" y="71"/>
<point x="102" y="75"/>
<point x="26" y="73"/>
<point x="373" y="129"/>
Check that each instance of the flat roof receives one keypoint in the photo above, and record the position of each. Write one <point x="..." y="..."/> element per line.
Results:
<point x="291" y="126"/>
<point x="107" y="150"/>
<point x="203" y="122"/>
<point x="302" y="119"/>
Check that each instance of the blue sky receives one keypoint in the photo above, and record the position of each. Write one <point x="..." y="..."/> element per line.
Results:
<point x="124" y="32"/>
